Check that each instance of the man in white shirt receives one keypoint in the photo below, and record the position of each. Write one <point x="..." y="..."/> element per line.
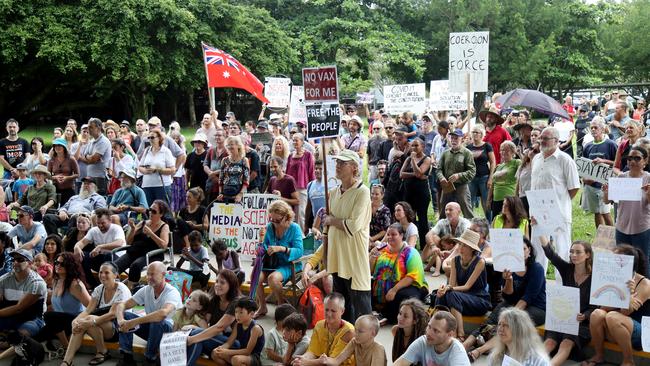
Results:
<point x="103" y="238"/>
<point x="160" y="301"/>
<point x="554" y="169"/>
<point x="438" y="346"/>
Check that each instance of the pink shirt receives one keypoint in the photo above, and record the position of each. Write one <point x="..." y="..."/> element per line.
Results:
<point x="301" y="169"/>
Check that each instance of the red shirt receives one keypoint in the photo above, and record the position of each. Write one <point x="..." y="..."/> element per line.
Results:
<point x="495" y="138"/>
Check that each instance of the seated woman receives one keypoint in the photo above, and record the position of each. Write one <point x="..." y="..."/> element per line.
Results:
<point x="69" y="298"/>
<point x="97" y="319"/>
<point x="517" y="338"/>
<point x="148" y="235"/>
<point x="405" y="216"/>
<point x="412" y="323"/>
<point x="524" y="290"/>
<point x="398" y="273"/>
<point x="380" y="215"/>
<point x="221" y="317"/>
<point x="622" y="326"/>
<point x="53" y="247"/>
<point x="41" y="196"/>
<point x="513" y="216"/>
<point x="77" y="233"/>
<point x="466" y="293"/>
<point x="576" y="273"/>
<point x="283" y="244"/>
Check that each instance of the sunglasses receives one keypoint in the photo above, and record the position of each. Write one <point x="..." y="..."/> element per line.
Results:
<point x="389" y="128"/>
<point x="152" y="211"/>
<point x="20" y="259"/>
<point x="634" y="158"/>
<point x="277" y="221"/>
<point x="376" y="129"/>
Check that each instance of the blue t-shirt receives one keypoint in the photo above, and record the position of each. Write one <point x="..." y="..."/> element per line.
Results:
<point x="428" y="141"/>
<point x="316" y="195"/>
<point x="605" y="149"/>
<point x="25" y="236"/>
<point x="21" y="186"/>
<point x="412" y="128"/>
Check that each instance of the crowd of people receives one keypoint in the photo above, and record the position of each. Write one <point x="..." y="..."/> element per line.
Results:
<point x="105" y="201"/>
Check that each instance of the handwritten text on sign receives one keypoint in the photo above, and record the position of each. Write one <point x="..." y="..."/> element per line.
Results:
<point x="320" y="84"/>
<point x="225" y="223"/>
<point x="608" y="280"/>
<point x="624" y="189"/>
<point x="596" y="172"/>
<point x="441" y="99"/>
<point x="173" y="349"/>
<point x="297" y="112"/>
<point x="507" y="249"/>
<point x="404" y="98"/>
<point x="277" y="91"/>
<point x="255" y="217"/>
<point x="562" y="309"/>
<point x="469" y="54"/>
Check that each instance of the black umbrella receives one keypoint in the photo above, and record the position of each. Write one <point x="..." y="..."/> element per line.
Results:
<point x="533" y="99"/>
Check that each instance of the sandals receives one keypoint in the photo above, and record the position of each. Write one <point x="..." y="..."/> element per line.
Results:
<point x="99" y="358"/>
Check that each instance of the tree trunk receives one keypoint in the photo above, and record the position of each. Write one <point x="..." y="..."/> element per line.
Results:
<point x="191" y="108"/>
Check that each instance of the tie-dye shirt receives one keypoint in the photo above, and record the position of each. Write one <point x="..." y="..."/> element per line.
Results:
<point x="390" y="268"/>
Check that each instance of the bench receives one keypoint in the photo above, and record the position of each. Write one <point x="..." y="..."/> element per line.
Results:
<point x="478" y="320"/>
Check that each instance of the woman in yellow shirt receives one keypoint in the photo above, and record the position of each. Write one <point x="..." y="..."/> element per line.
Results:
<point x="512" y="216"/>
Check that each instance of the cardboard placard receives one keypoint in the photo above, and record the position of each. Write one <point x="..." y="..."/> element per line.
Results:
<point x="320" y="84"/>
<point x="441" y="99"/>
<point x="225" y="223"/>
<point x="264" y="138"/>
<point x="625" y="189"/>
<point x="365" y="98"/>
<point x="173" y="349"/>
<point x="469" y="54"/>
<point x="562" y="309"/>
<point x="609" y="280"/>
<point x="596" y="172"/>
<point x="507" y="249"/>
<point x="323" y="120"/>
<point x="405" y="98"/>
<point x="255" y="216"/>
<point x="605" y="238"/>
<point x="277" y="91"/>
<point x="297" y="111"/>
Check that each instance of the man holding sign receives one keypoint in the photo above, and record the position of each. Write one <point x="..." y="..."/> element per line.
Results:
<point x="599" y="151"/>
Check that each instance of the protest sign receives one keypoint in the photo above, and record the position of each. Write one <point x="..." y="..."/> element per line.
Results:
<point x="509" y="361"/>
<point x="469" y="54"/>
<point x="323" y="120"/>
<point x="254" y="217"/>
<point x="264" y="138"/>
<point x="365" y="98"/>
<point x="225" y="223"/>
<point x="507" y="249"/>
<point x="332" y="181"/>
<point x="441" y="99"/>
<point x="645" y="333"/>
<point x="596" y="172"/>
<point x="605" y="238"/>
<point x="404" y="98"/>
<point x="297" y="112"/>
<point x="320" y="84"/>
<point x="173" y="349"/>
<point x="609" y="280"/>
<point x="624" y="189"/>
<point x="277" y="91"/>
<point x="543" y="205"/>
<point x="562" y="308"/>
<point x="182" y="281"/>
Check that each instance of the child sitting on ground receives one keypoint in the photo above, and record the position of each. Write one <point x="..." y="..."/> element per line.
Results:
<point x="294" y="332"/>
<point x="246" y="341"/>
<point x="228" y="259"/>
<point x="274" y="345"/>
<point x="192" y="315"/>
<point x="43" y="268"/>
<point x="442" y="251"/>
<point x="197" y="255"/>
<point x="363" y="346"/>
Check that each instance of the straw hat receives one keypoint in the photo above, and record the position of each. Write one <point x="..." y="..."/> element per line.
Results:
<point x="469" y="238"/>
<point x="42" y="169"/>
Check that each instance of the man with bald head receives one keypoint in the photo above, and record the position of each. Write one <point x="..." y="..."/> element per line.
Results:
<point x="556" y="170"/>
<point x="160" y="300"/>
<point x="453" y="225"/>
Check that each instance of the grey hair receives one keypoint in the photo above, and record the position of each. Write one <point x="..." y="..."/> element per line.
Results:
<point x="525" y="340"/>
<point x="299" y="135"/>
<point x="553" y="131"/>
<point x="510" y="145"/>
<point x="95" y="121"/>
<point x="598" y="121"/>
<point x="483" y="225"/>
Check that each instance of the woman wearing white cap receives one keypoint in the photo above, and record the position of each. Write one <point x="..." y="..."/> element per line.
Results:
<point x="349" y="230"/>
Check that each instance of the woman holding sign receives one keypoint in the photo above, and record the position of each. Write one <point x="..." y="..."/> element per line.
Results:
<point x="576" y="273"/>
<point x="633" y="217"/>
<point x="623" y="326"/>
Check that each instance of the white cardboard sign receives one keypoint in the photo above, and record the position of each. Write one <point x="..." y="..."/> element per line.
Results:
<point x="297" y="111"/>
<point x="469" y="54"/>
<point x="596" y="172"/>
<point x="173" y="349"/>
<point x="645" y="333"/>
<point x="609" y="280"/>
<point x="405" y="98"/>
<point x="625" y="189"/>
<point x="507" y="249"/>
<point x="441" y="99"/>
<point x="278" y="92"/>
<point x="562" y="308"/>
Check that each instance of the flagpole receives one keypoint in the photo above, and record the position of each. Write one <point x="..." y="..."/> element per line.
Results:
<point x="207" y="80"/>
<point x="327" y="203"/>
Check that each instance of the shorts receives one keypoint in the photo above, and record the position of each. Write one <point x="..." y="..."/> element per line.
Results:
<point x="636" y="335"/>
<point x="285" y="271"/>
<point x="592" y="201"/>
<point x="33" y="327"/>
<point x="256" y="360"/>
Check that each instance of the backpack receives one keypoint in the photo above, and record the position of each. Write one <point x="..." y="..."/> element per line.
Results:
<point x="311" y="305"/>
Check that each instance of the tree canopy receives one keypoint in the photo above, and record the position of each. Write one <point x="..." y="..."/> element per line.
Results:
<point x="134" y="58"/>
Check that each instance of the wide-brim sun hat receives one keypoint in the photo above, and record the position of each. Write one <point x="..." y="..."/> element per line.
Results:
<point x="42" y="169"/>
<point x="484" y="113"/>
<point x="469" y="238"/>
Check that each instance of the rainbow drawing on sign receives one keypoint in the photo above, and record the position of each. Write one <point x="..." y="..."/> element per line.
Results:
<point x="609" y="288"/>
<point x="510" y="254"/>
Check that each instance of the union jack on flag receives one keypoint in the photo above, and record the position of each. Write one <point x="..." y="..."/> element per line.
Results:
<point x="214" y="56"/>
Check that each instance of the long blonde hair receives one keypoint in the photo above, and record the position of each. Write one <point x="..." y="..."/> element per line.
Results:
<point x="526" y="341"/>
<point x="286" y="150"/>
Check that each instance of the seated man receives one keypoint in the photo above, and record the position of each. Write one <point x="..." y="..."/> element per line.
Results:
<point x="31" y="234"/>
<point x="453" y="225"/>
<point x="129" y="200"/>
<point x="95" y="248"/>
<point x="22" y="296"/>
<point x="438" y="346"/>
<point x="330" y="335"/>
<point x="160" y="300"/>
<point x="86" y="201"/>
